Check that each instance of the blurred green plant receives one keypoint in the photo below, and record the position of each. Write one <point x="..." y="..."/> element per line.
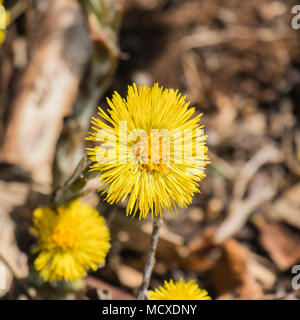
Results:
<point x="74" y="187"/>
<point x="104" y="19"/>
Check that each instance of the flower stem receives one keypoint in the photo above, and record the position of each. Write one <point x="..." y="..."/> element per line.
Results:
<point x="150" y="260"/>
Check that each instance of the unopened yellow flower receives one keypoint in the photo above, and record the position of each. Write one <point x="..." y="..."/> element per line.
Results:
<point x="72" y="239"/>
<point x="132" y="142"/>
<point x="179" y="290"/>
<point x="4" y="20"/>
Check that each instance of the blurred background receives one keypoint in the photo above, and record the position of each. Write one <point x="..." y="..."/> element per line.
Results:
<point x="236" y="61"/>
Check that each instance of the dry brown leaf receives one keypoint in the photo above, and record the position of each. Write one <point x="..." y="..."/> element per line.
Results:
<point x="231" y="274"/>
<point x="282" y="245"/>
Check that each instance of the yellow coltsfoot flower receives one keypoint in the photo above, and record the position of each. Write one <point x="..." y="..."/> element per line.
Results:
<point x="72" y="239"/>
<point x="179" y="290"/>
<point x="4" y="20"/>
<point x="151" y="148"/>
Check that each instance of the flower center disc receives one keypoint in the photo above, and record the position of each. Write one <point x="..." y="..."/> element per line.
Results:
<point x="152" y="156"/>
<point x="64" y="238"/>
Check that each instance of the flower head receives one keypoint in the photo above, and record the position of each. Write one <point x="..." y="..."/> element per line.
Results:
<point x="151" y="148"/>
<point x="4" y="20"/>
<point x="179" y="290"/>
<point x="72" y="239"/>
